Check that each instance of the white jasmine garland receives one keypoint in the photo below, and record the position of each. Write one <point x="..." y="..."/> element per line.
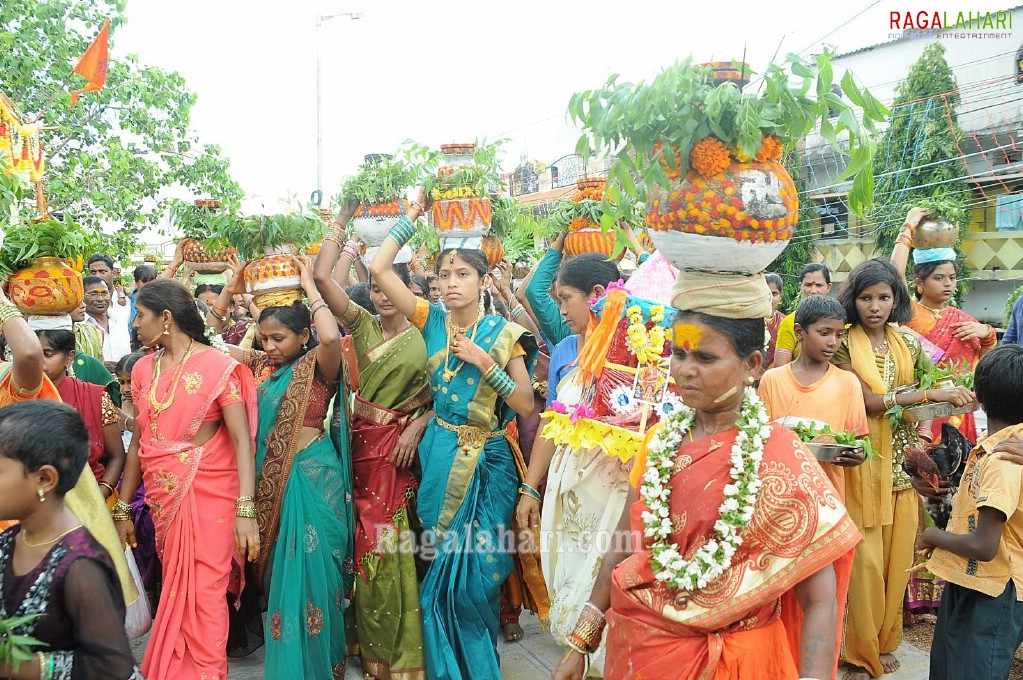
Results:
<point x="714" y="557"/>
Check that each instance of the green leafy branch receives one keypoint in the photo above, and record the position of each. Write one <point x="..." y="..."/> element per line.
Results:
<point x="16" y="649"/>
<point x="809" y="431"/>
<point x="383" y="179"/>
<point x="652" y="127"/>
<point x="258" y="235"/>
<point x="63" y="239"/>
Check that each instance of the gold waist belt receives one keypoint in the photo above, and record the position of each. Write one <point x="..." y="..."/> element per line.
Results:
<point x="471" y="437"/>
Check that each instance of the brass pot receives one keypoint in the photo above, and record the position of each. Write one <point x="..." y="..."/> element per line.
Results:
<point x="936" y="234"/>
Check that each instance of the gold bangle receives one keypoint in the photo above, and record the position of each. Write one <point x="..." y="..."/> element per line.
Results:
<point x="246" y="512"/>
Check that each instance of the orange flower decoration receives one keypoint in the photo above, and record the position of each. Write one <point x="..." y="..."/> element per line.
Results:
<point x="770" y="149"/>
<point x="673" y="173"/>
<point x="580" y="223"/>
<point x="709" y="157"/>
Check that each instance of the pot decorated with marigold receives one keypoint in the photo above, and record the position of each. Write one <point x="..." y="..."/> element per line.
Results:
<point x="274" y="280"/>
<point x="581" y="220"/>
<point x="717" y="197"/>
<point x="48" y="286"/>
<point x="462" y="212"/>
<point x="726" y="214"/>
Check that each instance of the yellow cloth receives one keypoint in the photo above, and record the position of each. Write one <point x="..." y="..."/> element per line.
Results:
<point x="731" y="296"/>
<point x="987" y="483"/>
<point x="868" y="487"/>
<point x="836" y="399"/>
<point x="877" y="585"/>
<point x="787" y="336"/>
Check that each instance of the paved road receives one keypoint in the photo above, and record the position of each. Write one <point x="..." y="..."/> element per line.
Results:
<point x="535" y="655"/>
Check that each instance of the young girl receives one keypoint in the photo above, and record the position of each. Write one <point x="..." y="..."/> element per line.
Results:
<point x="878" y="494"/>
<point x="50" y="566"/>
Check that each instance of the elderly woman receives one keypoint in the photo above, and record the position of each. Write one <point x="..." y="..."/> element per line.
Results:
<point x="735" y="531"/>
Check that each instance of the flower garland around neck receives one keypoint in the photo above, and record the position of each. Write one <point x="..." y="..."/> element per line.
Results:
<point x="646" y="345"/>
<point x="714" y="557"/>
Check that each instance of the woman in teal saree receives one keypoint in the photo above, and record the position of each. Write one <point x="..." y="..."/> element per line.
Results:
<point x="303" y="489"/>
<point x="479" y="369"/>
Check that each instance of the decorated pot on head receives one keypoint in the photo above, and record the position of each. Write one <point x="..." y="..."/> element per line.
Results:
<point x="274" y="280"/>
<point x="205" y="260"/>
<point x="460" y="216"/>
<point x="729" y="72"/>
<point x="725" y="214"/>
<point x="200" y="257"/>
<point x="48" y="286"/>
<point x="373" y="221"/>
<point x="935" y="232"/>
<point x="584" y="235"/>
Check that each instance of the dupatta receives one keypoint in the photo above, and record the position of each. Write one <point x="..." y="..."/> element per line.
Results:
<point x="868" y="484"/>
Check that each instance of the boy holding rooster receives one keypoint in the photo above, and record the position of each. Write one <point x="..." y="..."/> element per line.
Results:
<point x="980" y="621"/>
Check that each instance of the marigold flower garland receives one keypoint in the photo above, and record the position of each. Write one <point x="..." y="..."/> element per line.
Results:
<point x="647" y="346"/>
<point x="714" y="557"/>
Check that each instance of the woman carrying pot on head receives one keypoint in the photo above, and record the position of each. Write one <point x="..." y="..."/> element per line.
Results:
<point x="304" y="486"/>
<point x="479" y="368"/>
<point x="192" y="445"/>
<point x="698" y="592"/>
<point x="878" y="493"/>
<point x="389" y="417"/>
<point x="586" y="490"/>
<point x="951" y="336"/>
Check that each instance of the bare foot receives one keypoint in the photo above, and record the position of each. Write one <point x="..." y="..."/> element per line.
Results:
<point x="512" y="632"/>
<point x="889" y="663"/>
<point x="856" y="673"/>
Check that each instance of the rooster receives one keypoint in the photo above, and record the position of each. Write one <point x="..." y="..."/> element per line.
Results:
<point x="942" y="461"/>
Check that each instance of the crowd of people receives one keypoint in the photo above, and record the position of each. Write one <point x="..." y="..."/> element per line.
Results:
<point x="357" y="471"/>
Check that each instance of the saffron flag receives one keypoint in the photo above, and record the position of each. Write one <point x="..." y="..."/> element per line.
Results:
<point x="93" y="64"/>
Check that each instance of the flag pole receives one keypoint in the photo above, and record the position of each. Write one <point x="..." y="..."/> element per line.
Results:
<point x="53" y="98"/>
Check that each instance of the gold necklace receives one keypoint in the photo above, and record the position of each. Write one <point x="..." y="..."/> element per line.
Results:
<point x="936" y="313"/>
<point x="450" y="373"/>
<point x="156" y="407"/>
<point x="24" y="537"/>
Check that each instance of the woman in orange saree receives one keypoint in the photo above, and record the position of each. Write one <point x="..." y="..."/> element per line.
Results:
<point x="703" y="595"/>
<point x="193" y="446"/>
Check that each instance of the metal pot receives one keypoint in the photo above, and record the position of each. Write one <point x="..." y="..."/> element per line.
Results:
<point x="936" y="234"/>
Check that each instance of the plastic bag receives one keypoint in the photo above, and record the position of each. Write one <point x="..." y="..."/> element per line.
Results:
<point x="138" y="618"/>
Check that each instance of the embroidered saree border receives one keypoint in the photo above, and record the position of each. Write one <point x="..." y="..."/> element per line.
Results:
<point x="281" y="447"/>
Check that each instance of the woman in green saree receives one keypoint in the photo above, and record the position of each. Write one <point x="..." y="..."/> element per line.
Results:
<point x="303" y="488"/>
<point x="479" y="367"/>
<point x="390" y="413"/>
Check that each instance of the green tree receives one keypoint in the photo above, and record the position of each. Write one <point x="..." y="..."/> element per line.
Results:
<point x="918" y="162"/>
<point x="110" y="156"/>
<point x="800" y="249"/>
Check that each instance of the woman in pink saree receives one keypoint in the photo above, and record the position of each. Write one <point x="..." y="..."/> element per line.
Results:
<point x="193" y="447"/>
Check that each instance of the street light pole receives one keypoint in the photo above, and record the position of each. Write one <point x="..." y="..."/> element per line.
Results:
<point x="320" y="20"/>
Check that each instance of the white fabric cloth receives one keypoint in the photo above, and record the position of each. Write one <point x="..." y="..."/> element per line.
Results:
<point x="49" y="322"/>
<point x="116" y="342"/>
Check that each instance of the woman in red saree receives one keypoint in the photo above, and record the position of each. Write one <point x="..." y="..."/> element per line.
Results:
<point x="949" y="335"/>
<point x="106" y="448"/>
<point x="770" y="611"/>
<point x="193" y="446"/>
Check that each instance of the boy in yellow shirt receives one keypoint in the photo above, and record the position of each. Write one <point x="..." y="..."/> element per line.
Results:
<point x="811" y="387"/>
<point x="980" y="621"/>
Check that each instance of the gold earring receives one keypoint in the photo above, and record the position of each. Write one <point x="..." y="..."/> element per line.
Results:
<point x="750" y="380"/>
<point x="166" y="329"/>
<point x="42" y="495"/>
